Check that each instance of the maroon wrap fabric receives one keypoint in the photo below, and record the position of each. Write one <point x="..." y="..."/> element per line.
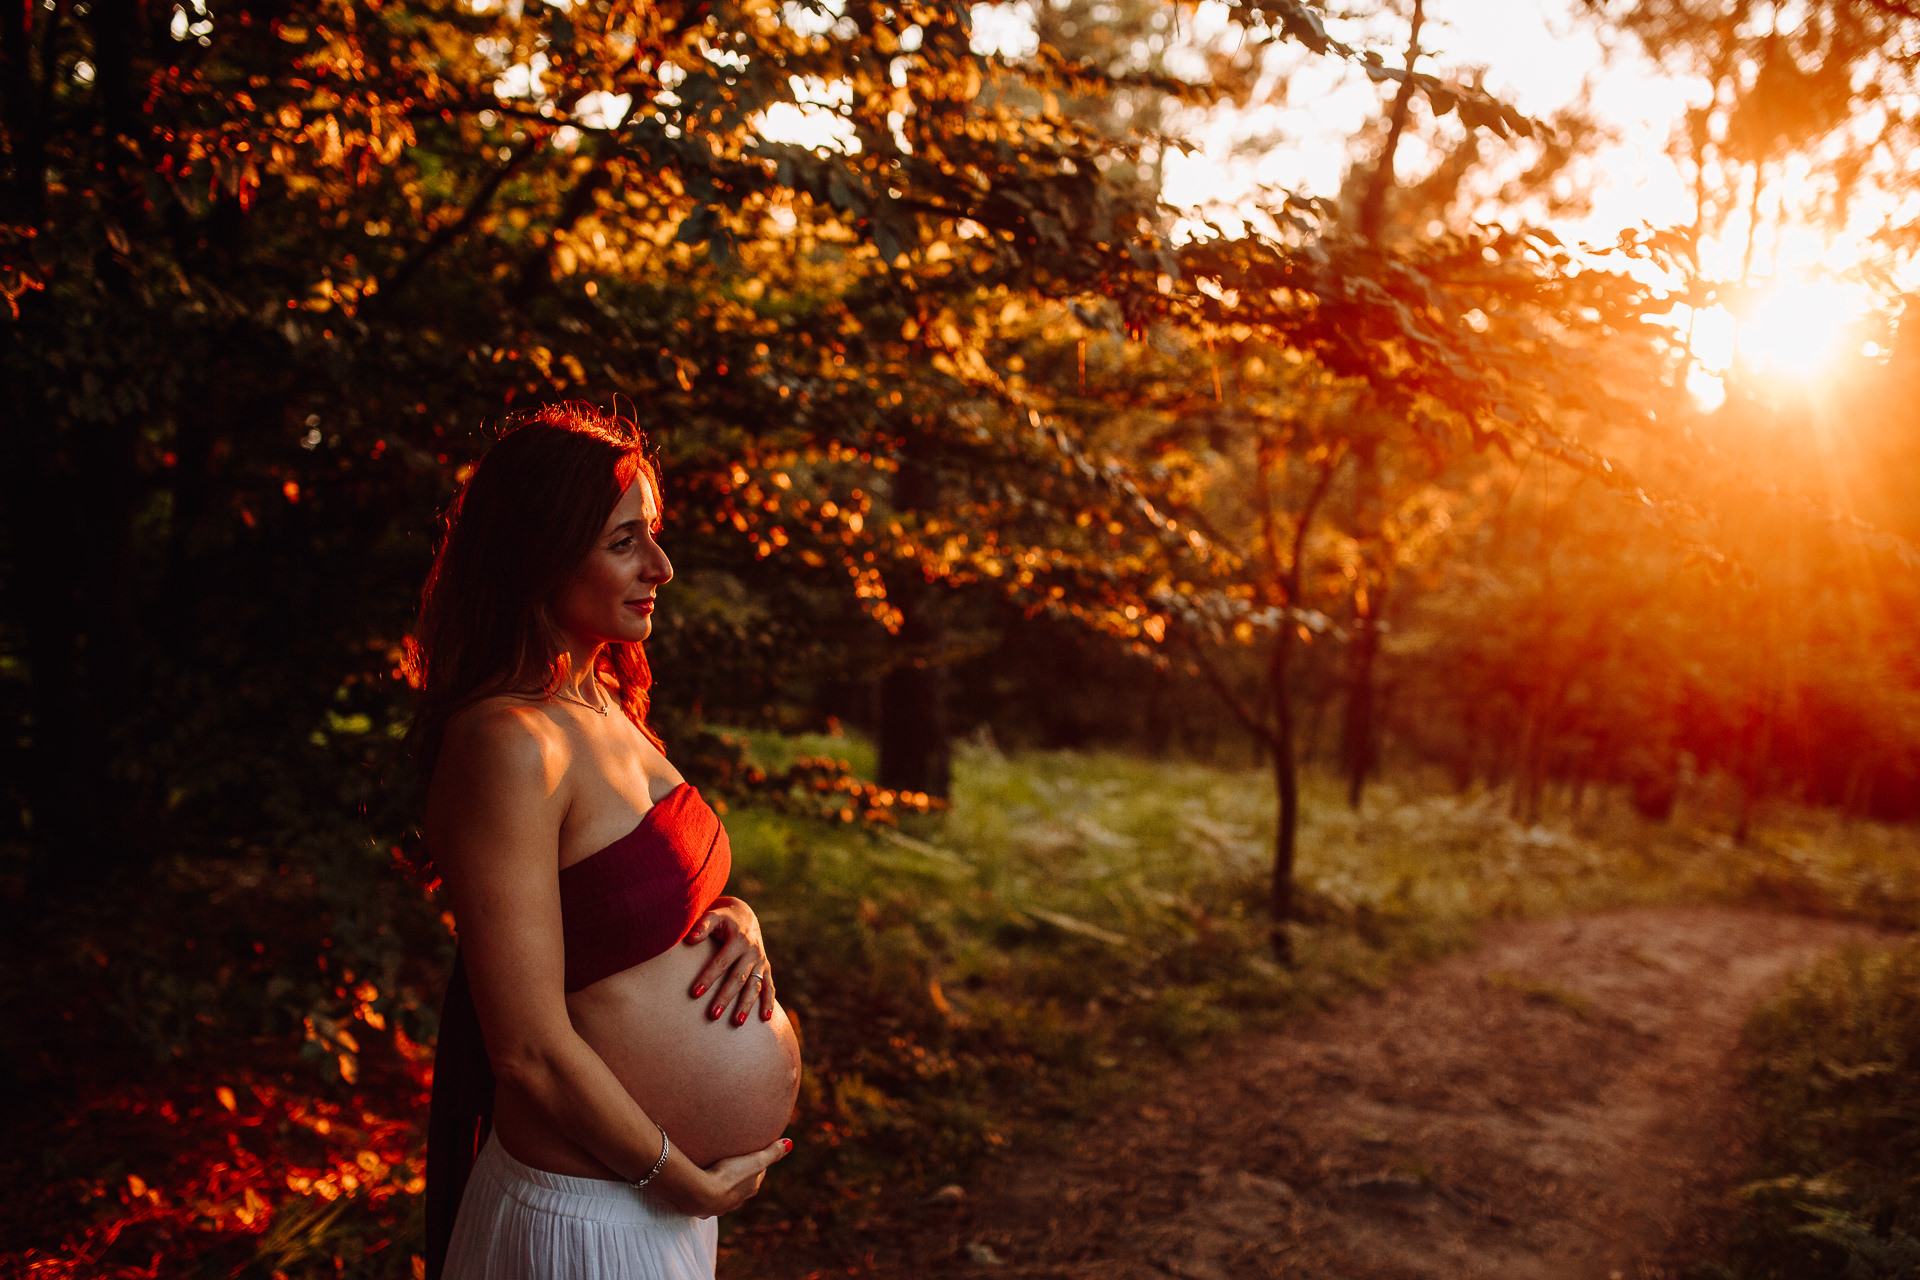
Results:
<point x="618" y="908"/>
<point x="638" y="896"/>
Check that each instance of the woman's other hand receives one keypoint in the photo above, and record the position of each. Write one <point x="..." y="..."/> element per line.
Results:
<point x="738" y="975"/>
<point x="726" y="1184"/>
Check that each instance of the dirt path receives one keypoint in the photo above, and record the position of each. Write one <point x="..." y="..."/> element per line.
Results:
<point x="1561" y="1103"/>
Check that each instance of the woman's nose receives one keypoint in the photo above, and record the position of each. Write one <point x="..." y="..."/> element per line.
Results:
<point x="660" y="571"/>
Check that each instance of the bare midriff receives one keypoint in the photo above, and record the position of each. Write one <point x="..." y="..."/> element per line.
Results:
<point x="717" y="1089"/>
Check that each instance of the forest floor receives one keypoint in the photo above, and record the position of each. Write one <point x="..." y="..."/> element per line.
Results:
<point x="1562" y="1101"/>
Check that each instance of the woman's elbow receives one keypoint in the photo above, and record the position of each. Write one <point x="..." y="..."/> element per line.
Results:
<point x="529" y="1064"/>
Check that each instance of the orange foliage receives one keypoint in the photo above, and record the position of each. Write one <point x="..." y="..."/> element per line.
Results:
<point x="224" y="1161"/>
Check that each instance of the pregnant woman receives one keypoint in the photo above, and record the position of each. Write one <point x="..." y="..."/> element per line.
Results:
<point x="613" y="1070"/>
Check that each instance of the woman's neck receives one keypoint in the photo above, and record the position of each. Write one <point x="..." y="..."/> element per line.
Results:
<point x="580" y="679"/>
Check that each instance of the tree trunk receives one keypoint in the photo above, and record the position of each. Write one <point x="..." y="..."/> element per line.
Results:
<point x="1530" y="763"/>
<point x="1753" y="771"/>
<point x="1859" y="786"/>
<point x="1516" y="798"/>
<point x="1465" y="754"/>
<point x="914" y="752"/>
<point x="1286" y="781"/>
<point x="1537" y="773"/>
<point x="1159" y="714"/>
<point x="1356" y="727"/>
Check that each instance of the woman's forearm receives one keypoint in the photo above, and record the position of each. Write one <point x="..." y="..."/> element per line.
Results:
<point x="572" y="1086"/>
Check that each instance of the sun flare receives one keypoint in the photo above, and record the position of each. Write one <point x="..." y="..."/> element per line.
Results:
<point x="1797" y="328"/>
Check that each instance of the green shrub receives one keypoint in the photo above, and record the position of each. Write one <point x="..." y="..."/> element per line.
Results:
<point x="1835" y="1076"/>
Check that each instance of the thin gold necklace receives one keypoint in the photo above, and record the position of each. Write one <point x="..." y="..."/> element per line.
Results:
<point x="602" y="709"/>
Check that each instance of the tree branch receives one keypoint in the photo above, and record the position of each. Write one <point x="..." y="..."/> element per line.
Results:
<point x="536" y="269"/>
<point x="1250" y="722"/>
<point x="1269" y="526"/>
<point x="1292" y="581"/>
<point x="1194" y="518"/>
<point x="1373" y="206"/>
<point x="446" y="235"/>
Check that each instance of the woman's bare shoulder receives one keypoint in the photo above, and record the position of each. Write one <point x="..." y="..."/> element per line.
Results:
<point x="501" y="778"/>
<point x="505" y="738"/>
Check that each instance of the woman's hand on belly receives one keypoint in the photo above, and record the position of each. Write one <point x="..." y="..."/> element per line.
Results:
<point x="725" y="1185"/>
<point x="739" y="973"/>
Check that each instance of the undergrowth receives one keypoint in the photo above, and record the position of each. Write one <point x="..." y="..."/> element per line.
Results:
<point x="1835" y="1077"/>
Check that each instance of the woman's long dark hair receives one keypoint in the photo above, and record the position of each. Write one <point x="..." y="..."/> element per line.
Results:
<point x="522" y="524"/>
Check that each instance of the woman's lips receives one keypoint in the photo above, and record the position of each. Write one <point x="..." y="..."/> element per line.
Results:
<point x="644" y="606"/>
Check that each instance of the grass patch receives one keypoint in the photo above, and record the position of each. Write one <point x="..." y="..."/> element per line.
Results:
<point x="1835" y="1076"/>
<point x="1075" y="922"/>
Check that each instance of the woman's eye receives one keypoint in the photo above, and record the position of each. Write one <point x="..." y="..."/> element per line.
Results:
<point x="621" y="545"/>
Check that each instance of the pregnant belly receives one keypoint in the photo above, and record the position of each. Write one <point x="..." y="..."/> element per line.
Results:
<point x="717" y="1089"/>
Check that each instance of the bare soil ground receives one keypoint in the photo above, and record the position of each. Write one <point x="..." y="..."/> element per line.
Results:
<point x="1562" y="1102"/>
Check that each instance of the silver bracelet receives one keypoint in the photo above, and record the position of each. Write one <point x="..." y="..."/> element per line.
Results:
<point x="658" y="1165"/>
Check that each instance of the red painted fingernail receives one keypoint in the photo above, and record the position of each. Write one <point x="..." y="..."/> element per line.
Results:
<point x="789" y="1142"/>
<point x="699" y="991"/>
<point x="766" y="1015"/>
<point x="717" y="1011"/>
<point x="740" y="1020"/>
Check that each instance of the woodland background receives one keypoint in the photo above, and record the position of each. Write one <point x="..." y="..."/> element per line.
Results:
<point x="968" y="439"/>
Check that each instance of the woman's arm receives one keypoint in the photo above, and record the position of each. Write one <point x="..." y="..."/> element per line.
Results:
<point x="497" y="805"/>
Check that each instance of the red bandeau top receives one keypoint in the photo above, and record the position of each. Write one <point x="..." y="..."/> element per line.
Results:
<point x="640" y="895"/>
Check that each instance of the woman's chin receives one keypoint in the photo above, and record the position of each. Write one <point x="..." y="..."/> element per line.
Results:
<point x="628" y="632"/>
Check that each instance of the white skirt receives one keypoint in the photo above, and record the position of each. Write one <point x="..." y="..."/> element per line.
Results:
<point x="521" y="1223"/>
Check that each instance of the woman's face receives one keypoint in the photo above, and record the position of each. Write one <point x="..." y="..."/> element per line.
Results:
<point x="610" y="596"/>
